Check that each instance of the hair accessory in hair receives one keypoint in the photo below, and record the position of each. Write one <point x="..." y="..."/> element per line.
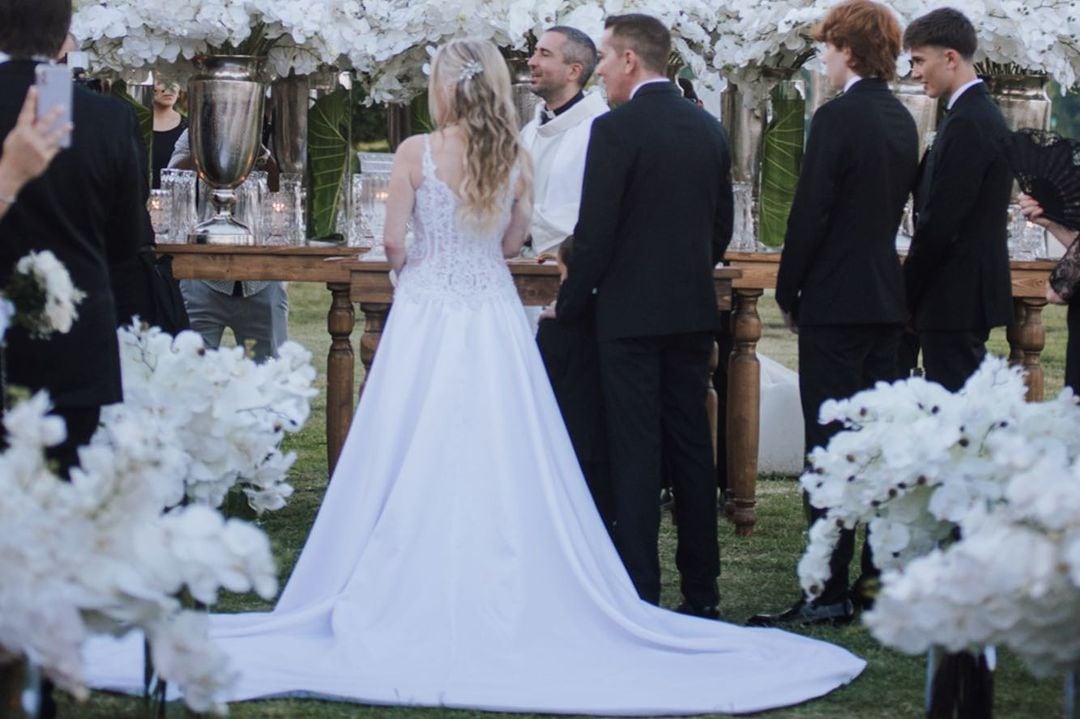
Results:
<point x="469" y="70"/>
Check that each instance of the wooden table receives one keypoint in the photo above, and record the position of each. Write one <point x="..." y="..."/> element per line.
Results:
<point x="539" y="284"/>
<point x="293" y="264"/>
<point x="1026" y="334"/>
<point x="367" y="283"/>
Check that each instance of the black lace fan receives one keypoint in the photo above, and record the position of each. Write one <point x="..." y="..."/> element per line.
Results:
<point x="1047" y="166"/>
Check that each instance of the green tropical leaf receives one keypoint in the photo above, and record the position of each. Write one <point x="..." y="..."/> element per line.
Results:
<point x="780" y="164"/>
<point x="419" y="114"/>
<point x="329" y="161"/>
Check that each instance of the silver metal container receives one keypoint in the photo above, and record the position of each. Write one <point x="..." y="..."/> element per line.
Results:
<point x="226" y="97"/>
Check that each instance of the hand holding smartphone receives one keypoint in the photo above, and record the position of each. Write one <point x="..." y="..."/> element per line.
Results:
<point x="54" y="90"/>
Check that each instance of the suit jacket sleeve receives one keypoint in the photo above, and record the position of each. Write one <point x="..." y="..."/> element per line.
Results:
<point x="958" y="171"/>
<point x="607" y="167"/>
<point x="808" y="222"/>
<point x="725" y="211"/>
<point x="128" y="226"/>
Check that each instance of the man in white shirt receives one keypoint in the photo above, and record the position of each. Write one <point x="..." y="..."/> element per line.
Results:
<point x="558" y="134"/>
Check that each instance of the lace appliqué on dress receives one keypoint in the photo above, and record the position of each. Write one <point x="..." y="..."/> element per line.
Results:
<point x="1065" y="277"/>
<point x="447" y="263"/>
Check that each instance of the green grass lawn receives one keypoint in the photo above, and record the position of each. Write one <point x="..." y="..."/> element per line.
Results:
<point x="758" y="571"/>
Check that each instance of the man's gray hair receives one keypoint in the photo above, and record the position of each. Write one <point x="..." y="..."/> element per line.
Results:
<point x="578" y="48"/>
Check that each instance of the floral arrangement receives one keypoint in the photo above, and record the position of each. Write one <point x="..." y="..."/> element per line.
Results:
<point x="209" y="419"/>
<point x="115" y="547"/>
<point x="40" y="297"/>
<point x="1013" y="579"/>
<point x="96" y="555"/>
<point x="916" y="460"/>
<point x="138" y="35"/>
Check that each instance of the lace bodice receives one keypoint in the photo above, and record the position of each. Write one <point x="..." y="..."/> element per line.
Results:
<point x="449" y="263"/>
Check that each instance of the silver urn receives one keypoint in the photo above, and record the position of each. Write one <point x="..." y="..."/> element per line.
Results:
<point x="226" y="97"/>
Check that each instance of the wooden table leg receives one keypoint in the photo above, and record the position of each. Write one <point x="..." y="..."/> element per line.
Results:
<point x="1027" y="337"/>
<point x="374" y="321"/>
<point x="339" y="371"/>
<point x="743" y="411"/>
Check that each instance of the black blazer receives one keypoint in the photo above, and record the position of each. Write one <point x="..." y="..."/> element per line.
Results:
<point x="89" y="210"/>
<point x="839" y="264"/>
<point x="957" y="271"/>
<point x="655" y="218"/>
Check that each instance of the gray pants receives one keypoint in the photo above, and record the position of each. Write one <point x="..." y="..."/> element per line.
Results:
<point x="261" y="319"/>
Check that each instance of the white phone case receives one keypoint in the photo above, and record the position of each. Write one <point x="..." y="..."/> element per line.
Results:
<point x="55" y="88"/>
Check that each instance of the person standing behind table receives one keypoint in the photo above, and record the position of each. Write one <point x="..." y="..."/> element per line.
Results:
<point x="957" y="270"/>
<point x="839" y="284"/>
<point x="168" y="126"/>
<point x="656" y="217"/>
<point x="257" y="312"/>
<point x="558" y="135"/>
<point x="88" y="208"/>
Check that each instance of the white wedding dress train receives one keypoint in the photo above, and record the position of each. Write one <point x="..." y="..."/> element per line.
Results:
<point x="458" y="559"/>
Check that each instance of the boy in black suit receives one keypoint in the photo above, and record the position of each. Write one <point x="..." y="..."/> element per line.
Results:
<point x="957" y="270"/>
<point x="573" y="366"/>
<point x="839" y="283"/>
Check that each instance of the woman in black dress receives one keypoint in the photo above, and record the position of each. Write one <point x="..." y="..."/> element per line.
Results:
<point x="168" y="126"/>
<point x="1063" y="285"/>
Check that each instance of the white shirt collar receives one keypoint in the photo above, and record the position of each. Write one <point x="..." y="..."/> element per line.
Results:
<point x="851" y="81"/>
<point x="960" y="91"/>
<point x="646" y="82"/>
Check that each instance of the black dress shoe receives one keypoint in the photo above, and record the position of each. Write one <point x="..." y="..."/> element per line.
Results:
<point x="709" y="612"/>
<point x="804" y="613"/>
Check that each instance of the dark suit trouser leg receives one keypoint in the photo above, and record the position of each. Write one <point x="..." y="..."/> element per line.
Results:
<point x="688" y="454"/>
<point x="1072" y="348"/>
<point x="835" y="362"/>
<point x="950" y="357"/>
<point x="630" y="374"/>
<point x="724" y="342"/>
<point x="654" y="391"/>
<point x="81" y="424"/>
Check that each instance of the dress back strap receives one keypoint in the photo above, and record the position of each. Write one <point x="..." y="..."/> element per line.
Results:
<point x="428" y="162"/>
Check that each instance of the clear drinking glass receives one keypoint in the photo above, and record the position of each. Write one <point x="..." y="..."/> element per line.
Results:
<point x="159" y="205"/>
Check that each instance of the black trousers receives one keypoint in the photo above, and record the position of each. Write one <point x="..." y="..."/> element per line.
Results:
<point x="835" y="362"/>
<point x="1072" y="347"/>
<point x="950" y="357"/>
<point x="725" y="342"/>
<point x="81" y="423"/>
<point x="654" y="393"/>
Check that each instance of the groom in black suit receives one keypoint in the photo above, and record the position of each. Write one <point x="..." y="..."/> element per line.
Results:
<point x="957" y="270"/>
<point x="839" y="284"/>
<point x="655" y="219"/>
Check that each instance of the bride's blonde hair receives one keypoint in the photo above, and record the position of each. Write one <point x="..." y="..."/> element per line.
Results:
<point x="470" y="88"/>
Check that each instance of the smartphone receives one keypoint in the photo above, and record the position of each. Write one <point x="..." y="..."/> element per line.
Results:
<point x="54" y="87"/>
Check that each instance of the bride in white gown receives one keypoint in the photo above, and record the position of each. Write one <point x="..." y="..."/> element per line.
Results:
<point x="458" y="559"/>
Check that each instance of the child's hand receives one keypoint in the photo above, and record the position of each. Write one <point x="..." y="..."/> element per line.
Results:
<point x="548" y="312"/>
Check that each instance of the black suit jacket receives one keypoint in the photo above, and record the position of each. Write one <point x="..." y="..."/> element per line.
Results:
<point x="839" y="264"/>
<point x="957" y="271"/>
<point x="655" y="218"/>
<point x="89" y="210"/>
